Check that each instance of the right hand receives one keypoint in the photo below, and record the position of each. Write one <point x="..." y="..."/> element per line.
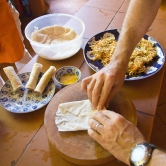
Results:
<point x="115" y="133"/>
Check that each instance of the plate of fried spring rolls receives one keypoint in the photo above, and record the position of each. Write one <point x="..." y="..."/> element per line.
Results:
<point x="18" y="94"/>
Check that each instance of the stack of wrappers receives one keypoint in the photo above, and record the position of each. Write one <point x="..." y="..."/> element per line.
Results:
<point x="32" y="82"/>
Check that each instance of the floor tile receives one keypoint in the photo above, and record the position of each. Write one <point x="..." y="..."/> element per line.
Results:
<point x="40" y="152"/>
<point x="162" y="11"/>
<point x="68" y="10"/>
<point x="158" y="29"/>
<point x="93" y="19"/>
<point x="117" y="21"/>
<point x="113" y="4"/>
<point x="145" y="122"/>
<point x="159" y="133"/>
<point x="58" y="4"/>
<point x="161" y="112"/>
<point x="65" y="6"/>
<point x="124" y="7"/>
<point x="76" y="2"/>
<point x="162" y="97"/>
<point x="146" y="94"/>
<point x="18" y="131"/>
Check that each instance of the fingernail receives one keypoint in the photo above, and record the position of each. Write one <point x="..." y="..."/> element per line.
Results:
<point x="106" y="106"/>
<point x="98" y="108"/>
<point x="94" y="107"/>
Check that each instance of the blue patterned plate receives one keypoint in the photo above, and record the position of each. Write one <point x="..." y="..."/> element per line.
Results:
<point x="154" y="66"/>
<point x="24" y="101"/>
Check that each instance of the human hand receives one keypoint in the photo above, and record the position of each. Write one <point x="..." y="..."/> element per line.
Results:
<point x="103" y="85"/>
<point x="115" y="133"/>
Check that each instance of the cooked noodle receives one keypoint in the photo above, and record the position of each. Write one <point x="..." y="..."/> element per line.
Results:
<point x="103" y="49"/>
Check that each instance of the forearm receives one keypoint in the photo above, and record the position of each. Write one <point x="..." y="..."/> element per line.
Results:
<point x="158" y="158"/>
<point x="139" y="17"/>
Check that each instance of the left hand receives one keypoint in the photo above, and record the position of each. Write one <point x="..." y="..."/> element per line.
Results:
<point x="103" y="85"/>
<point x="115" y="133"/>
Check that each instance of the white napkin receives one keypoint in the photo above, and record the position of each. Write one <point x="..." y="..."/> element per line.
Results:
<point x="73" y="116"/>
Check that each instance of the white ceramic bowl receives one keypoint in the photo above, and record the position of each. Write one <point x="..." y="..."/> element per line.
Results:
<point x="67" y="70"/>
<point x="61" y="50"/>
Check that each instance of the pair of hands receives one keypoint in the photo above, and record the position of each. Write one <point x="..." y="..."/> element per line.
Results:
<point x="115" y="134"/>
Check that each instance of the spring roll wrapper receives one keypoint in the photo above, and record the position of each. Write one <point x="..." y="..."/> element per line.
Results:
<point x="31" y="84"/>
<point x="45" y="79"/>
<point x="13" y="77"/>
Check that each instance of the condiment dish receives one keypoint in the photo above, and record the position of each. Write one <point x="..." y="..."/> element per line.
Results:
<point x="67" y="75"/>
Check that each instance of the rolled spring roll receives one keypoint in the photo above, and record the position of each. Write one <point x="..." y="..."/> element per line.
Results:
<point x="31" y="84"/>
<point x="45" y="79"/>
<point x="13" y="77"/>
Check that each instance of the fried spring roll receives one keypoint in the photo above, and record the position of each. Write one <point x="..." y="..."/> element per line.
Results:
<point x="45" y="79"/>
<point x="31" y="84"/>
<point x="13" y="77"/>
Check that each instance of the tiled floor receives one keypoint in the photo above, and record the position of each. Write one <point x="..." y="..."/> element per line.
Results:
<point x="71" y="7"/>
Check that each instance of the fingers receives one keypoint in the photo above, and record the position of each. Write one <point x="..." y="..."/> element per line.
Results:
<point x="109" y="114"/>
<point x="99" y="127"/>
<point x="96" y="126"/>
<point x="105" y="117"/>
<point x="96" y="93"/>
<point x="85" y="83"/>
<point x="100" y="117"/>
<point x="95" y="135"/>
<point x="90" y="89"/>
<point x="105" y="92"/>
<point x="114" y="90"/>
<point x="96" y="130"/>
<point x="99" y="88"/>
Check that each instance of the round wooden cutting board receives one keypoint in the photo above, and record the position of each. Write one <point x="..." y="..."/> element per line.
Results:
<point x="77" y="147"/>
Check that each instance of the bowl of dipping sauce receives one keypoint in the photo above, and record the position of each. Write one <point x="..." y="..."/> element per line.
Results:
<point x="67" y="75"/>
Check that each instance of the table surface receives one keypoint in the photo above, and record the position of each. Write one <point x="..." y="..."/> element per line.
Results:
<point x="23" y="140"/>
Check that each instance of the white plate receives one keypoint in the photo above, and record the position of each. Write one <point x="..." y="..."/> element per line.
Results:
<point x="24" y="101"/>
<point x="154" y="66"/>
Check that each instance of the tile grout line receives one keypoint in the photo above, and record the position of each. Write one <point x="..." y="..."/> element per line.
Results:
<point x="15" y="162"/>
<point x="161" y="119"/>
<point x="115" y="14"/>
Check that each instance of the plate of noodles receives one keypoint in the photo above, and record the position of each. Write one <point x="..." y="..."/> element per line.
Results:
<point x="147" y="58"/>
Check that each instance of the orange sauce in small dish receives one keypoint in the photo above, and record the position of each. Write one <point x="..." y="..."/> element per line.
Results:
<point x="68" y="79"/>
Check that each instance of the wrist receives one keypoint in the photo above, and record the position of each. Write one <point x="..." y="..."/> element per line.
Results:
<point x="158" y="157"/>
<point x="121" y="58"/>
<point x="141" y="154"/>
<point x="155" y="153"/>
<point x="125" y="155"/>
